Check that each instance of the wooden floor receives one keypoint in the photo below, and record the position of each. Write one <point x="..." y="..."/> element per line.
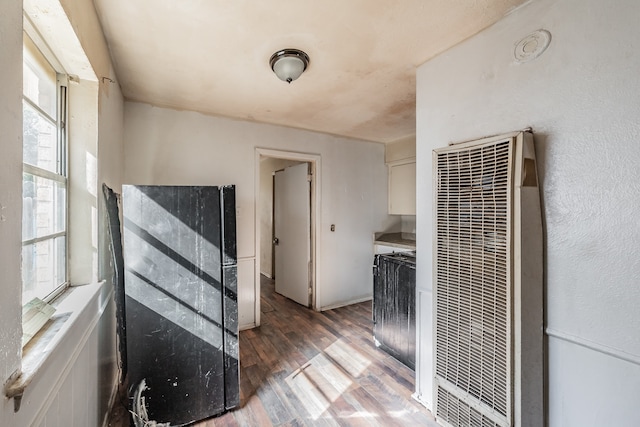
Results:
<point x="304" y="368"/>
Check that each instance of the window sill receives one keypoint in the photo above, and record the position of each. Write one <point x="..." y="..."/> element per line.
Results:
<point x="78" y="309"/>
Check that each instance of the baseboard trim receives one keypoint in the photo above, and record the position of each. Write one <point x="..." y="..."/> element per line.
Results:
<point x="346" y="303"/>
<point x="247" y="326"/>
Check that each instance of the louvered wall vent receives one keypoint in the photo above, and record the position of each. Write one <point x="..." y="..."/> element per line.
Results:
<point x="488" y="284"/>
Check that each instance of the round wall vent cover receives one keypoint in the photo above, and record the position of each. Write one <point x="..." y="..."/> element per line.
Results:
<point x="532" y="46"/>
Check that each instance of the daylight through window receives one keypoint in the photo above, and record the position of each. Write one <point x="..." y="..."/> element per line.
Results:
<point x="44" y="181"/>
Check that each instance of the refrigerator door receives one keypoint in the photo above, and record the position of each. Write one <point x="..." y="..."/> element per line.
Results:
<point x="180" y="302"/>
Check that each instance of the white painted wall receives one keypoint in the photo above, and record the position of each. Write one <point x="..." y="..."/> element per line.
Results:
<point x="83" y="169"/>
<point x="164" y="146"/>
<point x="582" y="99"/>
<point x="74" y="387"/>
<point x="10" y="187"/>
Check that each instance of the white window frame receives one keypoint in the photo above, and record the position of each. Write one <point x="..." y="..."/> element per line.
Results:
<point x="62" y="173"/>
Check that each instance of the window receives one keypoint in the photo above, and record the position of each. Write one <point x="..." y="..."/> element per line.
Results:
<point x="44" y="179"/>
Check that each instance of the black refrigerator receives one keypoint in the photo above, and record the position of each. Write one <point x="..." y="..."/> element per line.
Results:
<point x="180" y="302"/>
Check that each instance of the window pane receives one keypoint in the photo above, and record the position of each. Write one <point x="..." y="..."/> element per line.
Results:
<point x="39" y="79"/>
<point x="43" y="268"/>
<point x="43" y="206"/>
<point x="40" y="146"/>
<point x="44" y="195"/>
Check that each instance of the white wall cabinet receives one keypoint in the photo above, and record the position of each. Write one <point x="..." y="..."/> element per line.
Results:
<point x="402" y="187"/>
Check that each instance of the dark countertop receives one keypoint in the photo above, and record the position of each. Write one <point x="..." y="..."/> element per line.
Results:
<point x="397" y="240"/>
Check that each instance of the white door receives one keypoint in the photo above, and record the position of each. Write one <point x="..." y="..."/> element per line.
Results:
<point x="292" y="225"/>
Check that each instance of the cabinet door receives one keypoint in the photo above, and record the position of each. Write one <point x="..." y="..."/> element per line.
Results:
<point x="402" y="188"/>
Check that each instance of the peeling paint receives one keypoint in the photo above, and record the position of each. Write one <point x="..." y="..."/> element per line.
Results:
<point x="139" y="411"/>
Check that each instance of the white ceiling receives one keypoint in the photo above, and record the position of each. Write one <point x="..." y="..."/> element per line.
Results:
<point x="213" y="56"/>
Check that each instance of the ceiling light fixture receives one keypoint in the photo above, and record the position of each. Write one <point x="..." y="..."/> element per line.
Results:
<point x="289" y="64"/>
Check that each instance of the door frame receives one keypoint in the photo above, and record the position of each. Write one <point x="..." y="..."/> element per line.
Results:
<point x="316" y="189"/>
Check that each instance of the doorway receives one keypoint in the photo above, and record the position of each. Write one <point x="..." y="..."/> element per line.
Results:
<point x="301" y="166"/>
<point x="291" y="225"/>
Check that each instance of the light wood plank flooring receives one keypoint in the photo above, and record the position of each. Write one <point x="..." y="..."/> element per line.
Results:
<point x="304" y="368"/>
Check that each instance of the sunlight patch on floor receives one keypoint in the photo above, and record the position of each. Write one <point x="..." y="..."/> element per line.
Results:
<point x="326" y="377"/>
<point x="398" y="414"/>
<point x="360" y="415"/>
<point x="349" y="359"/>
<point x="311" y="397"/>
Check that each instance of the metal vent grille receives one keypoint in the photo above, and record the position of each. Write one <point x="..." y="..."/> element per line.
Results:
<point x="458" y="413"/>
<point x="473" y="197"/>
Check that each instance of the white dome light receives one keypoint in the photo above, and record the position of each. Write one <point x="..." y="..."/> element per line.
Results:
<point x="289" y="64"/>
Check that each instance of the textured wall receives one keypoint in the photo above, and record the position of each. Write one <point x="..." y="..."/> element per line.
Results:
<point x="581" y="98"/>
<point x="11" y="186"/>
